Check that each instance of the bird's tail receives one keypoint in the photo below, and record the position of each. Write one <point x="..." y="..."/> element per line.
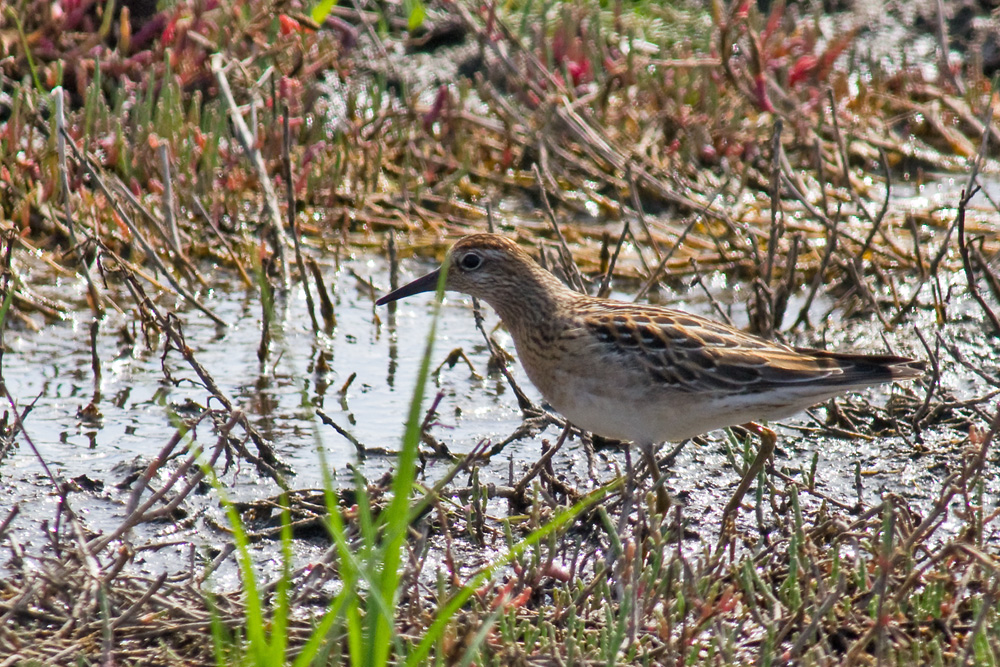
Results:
<point x="865" y="369"/>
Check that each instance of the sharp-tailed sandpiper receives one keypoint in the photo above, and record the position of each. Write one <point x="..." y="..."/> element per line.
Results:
<point x="644" y="373"/>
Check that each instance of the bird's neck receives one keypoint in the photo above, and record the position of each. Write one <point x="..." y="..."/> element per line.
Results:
<point x="538" y="299"/>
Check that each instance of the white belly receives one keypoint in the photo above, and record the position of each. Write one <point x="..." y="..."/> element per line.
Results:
<point x="628" y="408"/>
<point x="619" y="398"/>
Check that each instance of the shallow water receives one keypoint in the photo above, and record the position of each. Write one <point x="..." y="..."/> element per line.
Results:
<point x="53" y="369"/>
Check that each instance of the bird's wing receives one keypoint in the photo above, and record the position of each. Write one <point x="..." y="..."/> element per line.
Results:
<point x="690" y="353"/>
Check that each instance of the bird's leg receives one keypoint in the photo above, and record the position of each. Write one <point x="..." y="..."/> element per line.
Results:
<point x="768" y="439"/>
<point x="627" y="492"/>
<point x="649" y="453"/>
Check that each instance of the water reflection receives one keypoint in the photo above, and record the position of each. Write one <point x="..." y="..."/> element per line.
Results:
<point x="370" y="364"/>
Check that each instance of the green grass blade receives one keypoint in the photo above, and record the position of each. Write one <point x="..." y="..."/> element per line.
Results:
<point x="397" y="515"/>
<point x="256" y="636"/>
<point x="318" y="636"/>
<point x="349" y="567"/>
<point x="5" y="307"/>
<point x="448" y="610"/>
<point x="322" y="10"/>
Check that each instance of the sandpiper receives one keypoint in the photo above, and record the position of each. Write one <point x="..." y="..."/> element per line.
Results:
<point x="644" y="373"/>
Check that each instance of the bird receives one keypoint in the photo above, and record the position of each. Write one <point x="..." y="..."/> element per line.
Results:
<point x="646" y="373"/>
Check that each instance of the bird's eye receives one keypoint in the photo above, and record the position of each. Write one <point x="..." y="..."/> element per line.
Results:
<point x="471" y="261"/>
